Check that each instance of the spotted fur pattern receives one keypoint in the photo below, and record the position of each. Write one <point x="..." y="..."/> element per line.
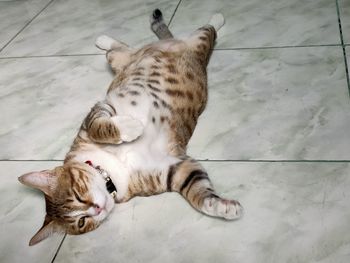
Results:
<point x="138" y="134"/>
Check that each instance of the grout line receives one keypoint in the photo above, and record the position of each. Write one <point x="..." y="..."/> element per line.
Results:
<point x="215" y="49"/>
<point x="30" y="160"/>
<point x="59" y="247"/>
<point x="213" y="160"/>
<point x="278" y="47"/>
<point x="171" y="19"/>
<point x="343" y="46"/>
<point x="54" y="56"/>
<point x="346" y="69"/>
<point x="273" y="161"/>
<point x="26" y="25"/>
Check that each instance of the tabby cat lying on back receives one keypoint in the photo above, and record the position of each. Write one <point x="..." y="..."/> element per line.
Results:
<point x="133" y="143"/>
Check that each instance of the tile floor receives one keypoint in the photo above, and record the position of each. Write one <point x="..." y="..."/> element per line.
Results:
<point x="275" y="134"/>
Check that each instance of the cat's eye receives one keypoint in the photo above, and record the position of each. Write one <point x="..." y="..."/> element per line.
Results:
<point x="81" y="222"/>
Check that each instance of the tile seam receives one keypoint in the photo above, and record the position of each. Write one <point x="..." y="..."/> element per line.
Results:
<point x="177" y="6"/>
<point x="215" y="49"/>
<point x="343" y="47"/>
<point x="25" y="26"/>
<point x="53" y="56"/>
<point x="59" y="248"/>
<point x="279" y="47"/>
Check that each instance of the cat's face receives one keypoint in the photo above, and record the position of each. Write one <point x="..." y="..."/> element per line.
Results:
<point x="77" y="200"/>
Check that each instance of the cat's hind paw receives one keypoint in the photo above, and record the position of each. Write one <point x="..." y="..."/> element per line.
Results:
<point x="218" y="207"/>
<point x="217" y="21"/>
<point x="104" y="42"/>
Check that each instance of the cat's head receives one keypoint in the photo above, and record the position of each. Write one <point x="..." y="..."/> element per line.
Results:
<point x="77" y="200"/>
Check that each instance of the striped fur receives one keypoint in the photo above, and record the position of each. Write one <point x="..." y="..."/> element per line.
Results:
<point x="138" y="134"/>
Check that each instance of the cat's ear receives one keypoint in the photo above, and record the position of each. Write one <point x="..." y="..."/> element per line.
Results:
<point x="44" y="181"/>
<point x="49" y="227"/>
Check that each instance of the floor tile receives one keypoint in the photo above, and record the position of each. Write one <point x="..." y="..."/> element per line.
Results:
<point x="257" y="23"/>
<point x="14" y="15"/>
<point x="46" y="100"/>
<point x="71" y="26"/>
<point x="294" y="212"/>
<point x="22" y="214"/>
<point x="344" y="10"/>
<point x="275" y="104"/>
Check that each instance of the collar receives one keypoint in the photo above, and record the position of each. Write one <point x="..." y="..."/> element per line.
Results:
<point x="109" y="184"/>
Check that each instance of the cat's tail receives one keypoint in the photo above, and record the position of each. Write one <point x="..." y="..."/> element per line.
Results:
<point x="158" y="25"/>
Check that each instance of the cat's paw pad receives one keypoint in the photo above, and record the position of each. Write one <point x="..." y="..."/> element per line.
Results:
<point x="129" y="128"/>
<point x="228" y="209"/>
<point x="217" y="21"/>
<point x="104" y="42"/>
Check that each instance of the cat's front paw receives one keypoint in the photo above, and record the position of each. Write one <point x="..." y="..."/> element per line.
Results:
<point x="228" y="209"/>
<point x="129" y="128"/>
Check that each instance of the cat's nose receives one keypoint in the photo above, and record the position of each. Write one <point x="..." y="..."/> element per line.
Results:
<point x="98" y="209"/>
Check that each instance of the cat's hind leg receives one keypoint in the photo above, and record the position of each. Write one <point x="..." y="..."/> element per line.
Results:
<point x="118" y="53"/>
<point x="191" y="180"/>
<point x="158" y="25"/>
<point x="217" y="21"/>
<point x="107" y="43"/>
<point x="202" y="41"/>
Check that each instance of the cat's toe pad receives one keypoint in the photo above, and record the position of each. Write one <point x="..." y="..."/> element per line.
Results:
<point x="228" y="209"/>
<point x="217" y="21"/>
<point x="104" y="42"/>
<point x="129" y="128"/>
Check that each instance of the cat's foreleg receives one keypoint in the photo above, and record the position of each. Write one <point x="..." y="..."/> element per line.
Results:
<point x="107" y="43"/>
<point x="191" y="180"/>
<point x="158" y="25"/>
<point x="103" y="125"/>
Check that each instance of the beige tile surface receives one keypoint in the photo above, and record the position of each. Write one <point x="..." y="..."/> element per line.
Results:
<point x="271" y="104"/>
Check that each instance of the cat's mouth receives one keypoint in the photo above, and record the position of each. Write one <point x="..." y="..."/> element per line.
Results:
<point x="101" y="213"/>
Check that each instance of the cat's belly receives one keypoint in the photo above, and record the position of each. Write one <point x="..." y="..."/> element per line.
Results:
<point x="138" y="107"/>
<point x="148" y="152"/>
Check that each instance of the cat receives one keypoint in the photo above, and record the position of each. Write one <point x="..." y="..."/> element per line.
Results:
<point x="133" y="143"/>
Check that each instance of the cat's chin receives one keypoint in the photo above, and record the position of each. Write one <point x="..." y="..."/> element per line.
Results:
<point x="107" y="210"/>
<point x="109" y="204"/>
